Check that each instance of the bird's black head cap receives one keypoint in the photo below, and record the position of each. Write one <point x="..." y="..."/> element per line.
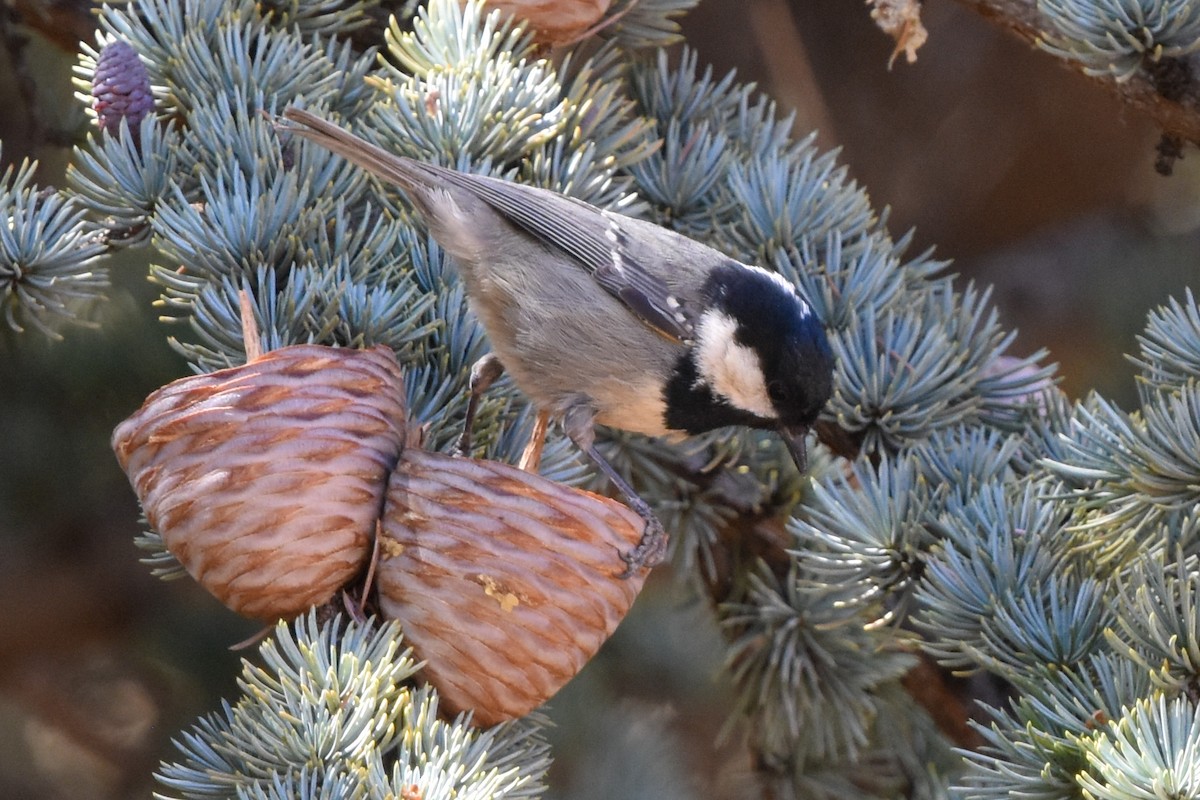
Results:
<point x="760" y="359"/>
<point x="793" y="350"/>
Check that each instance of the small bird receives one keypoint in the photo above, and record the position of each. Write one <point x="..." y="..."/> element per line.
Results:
<point x="601" y="318"/>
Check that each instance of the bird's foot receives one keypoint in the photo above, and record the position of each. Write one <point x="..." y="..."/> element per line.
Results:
<point x="651" y="550"/>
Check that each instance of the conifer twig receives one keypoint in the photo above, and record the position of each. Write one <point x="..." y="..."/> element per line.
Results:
<point x="1178" y="118"/>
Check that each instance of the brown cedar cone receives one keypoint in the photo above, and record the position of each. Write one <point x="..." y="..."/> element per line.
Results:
<point x="121" y="88"/>
<point x="524" y="570"/>
<point x="265" y="480"/>
<point x="554" y="22"/>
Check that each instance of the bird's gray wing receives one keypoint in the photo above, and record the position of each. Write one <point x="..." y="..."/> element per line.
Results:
<point x="596" y="239"/>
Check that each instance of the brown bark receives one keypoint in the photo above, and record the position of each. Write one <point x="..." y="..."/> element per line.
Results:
<point x="1178" y="118"/>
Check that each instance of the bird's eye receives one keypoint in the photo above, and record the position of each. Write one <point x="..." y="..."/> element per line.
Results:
<point x="777" y="392"/>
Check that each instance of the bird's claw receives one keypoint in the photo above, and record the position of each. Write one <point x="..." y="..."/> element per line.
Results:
<point x="651" y="550"/>
<point x="464" y="442"/>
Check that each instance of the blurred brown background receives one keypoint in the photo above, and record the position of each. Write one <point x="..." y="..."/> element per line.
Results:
<point x="1025" y="174"/>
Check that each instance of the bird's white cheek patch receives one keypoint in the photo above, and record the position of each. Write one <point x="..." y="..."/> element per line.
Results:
<point x="733" y="371"/>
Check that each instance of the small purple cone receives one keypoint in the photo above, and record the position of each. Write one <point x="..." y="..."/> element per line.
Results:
<point x="121" y="88"/>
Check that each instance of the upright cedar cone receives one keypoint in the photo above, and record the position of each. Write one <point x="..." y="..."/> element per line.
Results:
<point x="265" y="480"/>
<point x="555" y="22"/>
<point x="505" y="583"/>
<point x="268" y="480"/>
<point x="121" y="88"/>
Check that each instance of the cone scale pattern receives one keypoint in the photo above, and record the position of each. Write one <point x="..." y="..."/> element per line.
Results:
<point x="513" y="553"/>
<point x="121" y="88"/>
<point x="269" y="482"/>
<point x="265" y="480"/>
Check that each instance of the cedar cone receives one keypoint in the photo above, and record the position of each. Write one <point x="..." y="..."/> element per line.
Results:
<point x="267" y="481"/>
<point x="121" y="88"/>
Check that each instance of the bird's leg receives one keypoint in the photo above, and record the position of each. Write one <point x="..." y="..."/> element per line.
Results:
<point x="531" y="458"/>
<point x="579" y="425"/>
<point x="484" y="373"/>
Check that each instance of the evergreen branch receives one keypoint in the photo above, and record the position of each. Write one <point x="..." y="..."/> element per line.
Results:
<point x="1136" y="471"/>
<point x="332" y="706"/>
<point x="798" y="656"/>
<point x="784" y="201"/>
<point x="1159" y="622"/>
<point x="1044" y="623"/>
<point x="905" y="757"/>
<point x="325" y="17"/>
<point x="1045" y="432"/>
<point x="239" y="225"/>
<point x="442" y="39"/>
<point x="155" y="33"/>
<point x="458" y="118"/>
<point x="602" y="136"/>
<point x="901" y="377"/>
<point x="1068" y="702"/>
<point x="685" y="93"/>
<point x="1040" y="747"/>
<point x="1018" y="393"/>
<point x="163" y="565"/>
<point x="869" y="527"/>
<point x="690" y="107"/>
<point x="1176" y="111"/>
<point x="963" y="460"/>
<point x="682" y="176"/>
<point x="48" y="254"/>
<point x="1119" y="37"/>
<point x="644" y="24"/>
<point x="124" y="177"/>
<point x="1152" y="751"/>
<point x="245" y="61"/>
<point x="1170" y="346"/>
<point x="1020" y="760"/>
<point x="230" y="135"/>
<point x="837" y="281"/>
<point x="353" y="95"/>
<point x="1000" y="538"/>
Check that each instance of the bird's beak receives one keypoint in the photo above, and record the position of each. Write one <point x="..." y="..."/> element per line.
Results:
<point x="795" y="438"/>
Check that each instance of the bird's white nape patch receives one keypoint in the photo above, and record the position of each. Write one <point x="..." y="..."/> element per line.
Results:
<point x="733" y="371"/>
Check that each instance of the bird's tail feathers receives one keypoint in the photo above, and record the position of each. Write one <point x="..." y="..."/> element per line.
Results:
<point x="404" y="172"/>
